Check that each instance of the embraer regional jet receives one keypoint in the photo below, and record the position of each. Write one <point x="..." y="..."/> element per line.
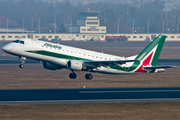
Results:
<point x="57" y="56"/>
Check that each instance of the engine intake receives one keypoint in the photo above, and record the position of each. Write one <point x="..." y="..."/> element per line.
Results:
<point x="75" y="65"/>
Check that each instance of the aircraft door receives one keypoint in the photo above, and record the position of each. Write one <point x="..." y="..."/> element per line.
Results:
<point x="34" y="45"/>
<point x="21" y="44"/>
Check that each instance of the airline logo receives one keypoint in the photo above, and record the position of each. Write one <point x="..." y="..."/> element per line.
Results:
<point x="147" y="60"/>
<point x="52" y="46"/>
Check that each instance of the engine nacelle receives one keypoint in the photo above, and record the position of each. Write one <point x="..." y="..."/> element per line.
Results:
<point x="49" y="66"/>
<point x="75" y="65"/>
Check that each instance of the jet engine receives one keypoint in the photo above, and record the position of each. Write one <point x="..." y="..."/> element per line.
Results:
<point x="75" y="65"/>
<point x="49" y="66"/>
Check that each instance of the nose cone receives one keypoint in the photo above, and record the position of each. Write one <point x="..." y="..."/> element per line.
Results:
<point x="6" y="48"/>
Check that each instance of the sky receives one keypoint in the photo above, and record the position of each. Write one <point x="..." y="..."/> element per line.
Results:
<point x="168" y="6"/>
<point x="171" y="5"/>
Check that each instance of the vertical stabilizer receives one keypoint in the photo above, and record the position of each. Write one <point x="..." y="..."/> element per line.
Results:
<point x="149" y="56"/>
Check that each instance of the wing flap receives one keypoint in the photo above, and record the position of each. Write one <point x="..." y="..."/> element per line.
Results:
<point x="105" y="63"/>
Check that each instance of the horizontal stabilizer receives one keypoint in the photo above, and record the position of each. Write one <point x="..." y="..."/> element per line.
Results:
<point x="157" y="67"/>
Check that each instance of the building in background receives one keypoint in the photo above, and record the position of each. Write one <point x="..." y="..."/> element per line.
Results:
<point x="88" y="22"/>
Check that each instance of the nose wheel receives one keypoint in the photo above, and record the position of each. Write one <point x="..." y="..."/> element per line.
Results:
<point x="72" y="75"/>
<point x="88" y="76"/>
<point x="21" y="66"/>
<point x="22" y="62"/>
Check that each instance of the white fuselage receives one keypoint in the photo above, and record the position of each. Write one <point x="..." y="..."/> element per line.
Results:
<point x="60" y="54"/>
<point x="57" y="56"/>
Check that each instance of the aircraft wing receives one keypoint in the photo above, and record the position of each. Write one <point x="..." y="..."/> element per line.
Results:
<point x="105" y="63"/>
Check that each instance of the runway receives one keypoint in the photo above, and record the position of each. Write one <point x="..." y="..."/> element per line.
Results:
<point x="10" y="60"/>
<point x="93" y="95"/>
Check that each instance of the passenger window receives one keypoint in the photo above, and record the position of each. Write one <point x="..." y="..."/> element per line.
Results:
<point x="21" y="42"/>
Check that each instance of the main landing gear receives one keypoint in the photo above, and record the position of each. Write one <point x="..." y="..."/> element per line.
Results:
<point x="88" y="76"/>
<point x="22" y="62"/>
<point x="73" y="75"/>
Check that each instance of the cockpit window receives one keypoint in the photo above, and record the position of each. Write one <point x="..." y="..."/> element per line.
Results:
<point x="16" y="41"/>
<point x="21" y="42"/>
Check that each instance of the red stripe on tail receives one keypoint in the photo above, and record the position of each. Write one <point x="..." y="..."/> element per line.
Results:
<point x="145" y="63"/>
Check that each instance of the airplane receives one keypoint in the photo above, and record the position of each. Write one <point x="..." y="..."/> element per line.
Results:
<point x="58" y="56"/>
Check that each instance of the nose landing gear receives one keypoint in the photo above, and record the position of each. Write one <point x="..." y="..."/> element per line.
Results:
<point x="22" y="60"/>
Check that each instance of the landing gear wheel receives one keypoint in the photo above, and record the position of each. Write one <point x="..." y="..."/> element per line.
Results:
<point x="88" y="76"/>
<point x="22" y="60"/>
<point x="72" y="75"/>
<point x="21" y="66"/>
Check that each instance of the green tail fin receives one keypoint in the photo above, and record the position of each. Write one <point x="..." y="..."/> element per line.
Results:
<point x="151" y="53"/>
